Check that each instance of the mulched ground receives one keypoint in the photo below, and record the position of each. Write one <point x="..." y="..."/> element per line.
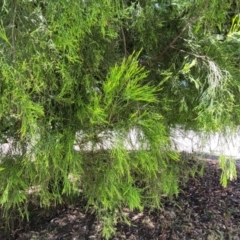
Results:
<point x="204" y="210"/>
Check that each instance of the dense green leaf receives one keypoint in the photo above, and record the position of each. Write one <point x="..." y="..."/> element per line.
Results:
<point x="90" y="90"/>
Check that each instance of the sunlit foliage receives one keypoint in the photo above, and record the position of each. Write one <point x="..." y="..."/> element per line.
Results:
<point x="77" y="77"/>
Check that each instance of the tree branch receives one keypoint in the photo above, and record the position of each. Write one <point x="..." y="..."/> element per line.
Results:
<point x="171" y="45"/>
<point x="124" y="42"/>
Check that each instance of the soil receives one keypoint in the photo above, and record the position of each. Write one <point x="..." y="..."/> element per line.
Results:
<point x="203" y="210"/>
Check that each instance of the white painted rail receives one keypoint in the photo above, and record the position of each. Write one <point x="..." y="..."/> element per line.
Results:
<point x="189" y="141"/>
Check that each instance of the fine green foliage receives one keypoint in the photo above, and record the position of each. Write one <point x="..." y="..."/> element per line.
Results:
<point x="228" y="170"/>
<point x="90" y="90"/>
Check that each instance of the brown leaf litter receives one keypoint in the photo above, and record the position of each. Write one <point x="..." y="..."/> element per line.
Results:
<point x="203" y="210"/>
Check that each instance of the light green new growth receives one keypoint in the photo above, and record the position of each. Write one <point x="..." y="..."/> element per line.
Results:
<point x="90" y="91"/>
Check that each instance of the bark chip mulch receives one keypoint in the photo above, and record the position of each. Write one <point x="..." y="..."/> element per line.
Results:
<point x="203" y="210"/>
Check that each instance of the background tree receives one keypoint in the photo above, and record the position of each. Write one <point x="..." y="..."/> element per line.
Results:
<point x="78" y="76"/>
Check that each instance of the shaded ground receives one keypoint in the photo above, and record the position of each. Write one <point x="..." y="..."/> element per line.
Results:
<point x="204" y="210"/>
